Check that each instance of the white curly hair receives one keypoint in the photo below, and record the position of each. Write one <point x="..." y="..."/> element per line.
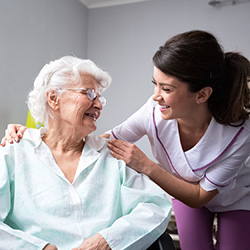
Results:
<point x="58" y="74"/>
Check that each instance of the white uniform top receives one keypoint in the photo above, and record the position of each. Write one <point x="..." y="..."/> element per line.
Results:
<point x="218" y="161"/>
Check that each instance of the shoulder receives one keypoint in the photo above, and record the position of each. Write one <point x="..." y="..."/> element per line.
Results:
<point x="246" y="125"/>
<point x="30" y="137"/>
<point x="246" y="131"/>
<point x="96" y="142"/>
<point x="236" y="134"/>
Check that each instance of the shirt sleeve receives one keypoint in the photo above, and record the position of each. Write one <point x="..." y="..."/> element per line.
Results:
<point x="146" y="213"/>
<point x="12" y="238"/>
<point x="135" y="127"/>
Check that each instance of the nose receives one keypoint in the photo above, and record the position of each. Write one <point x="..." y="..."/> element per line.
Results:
<point x="157" y="94"/>
<point x="98" y="104"/>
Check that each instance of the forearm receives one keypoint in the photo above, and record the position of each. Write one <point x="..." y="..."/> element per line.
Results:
<point x="190" y="194"/>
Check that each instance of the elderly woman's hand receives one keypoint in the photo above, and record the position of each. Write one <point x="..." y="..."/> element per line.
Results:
<point x="95" y="242"/>
<point x="13" y="133"/>
<point x="50" y="247"/>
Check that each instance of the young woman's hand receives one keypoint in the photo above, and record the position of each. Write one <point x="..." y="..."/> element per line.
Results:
<point x="107" y="136"/>
<point x="130" y="154"/>
<point x="13" y="133"/>
<point x="95" y="242"/>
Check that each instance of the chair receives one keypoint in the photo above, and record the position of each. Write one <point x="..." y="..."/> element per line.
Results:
<point x="164" y="242"/>
<point x="30" y="122"/>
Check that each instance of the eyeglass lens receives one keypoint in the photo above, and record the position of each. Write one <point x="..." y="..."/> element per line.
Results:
<point x="92" y="96"/>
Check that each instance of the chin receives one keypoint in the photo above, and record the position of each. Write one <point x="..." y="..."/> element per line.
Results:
<point x="93" y="129"/>
<point x="165" y="117"/>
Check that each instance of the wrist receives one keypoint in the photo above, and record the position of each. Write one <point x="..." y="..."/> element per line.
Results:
<point x="149" y="168"/>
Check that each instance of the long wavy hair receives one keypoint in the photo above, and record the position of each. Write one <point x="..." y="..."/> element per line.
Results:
<point x="197" y="59"/>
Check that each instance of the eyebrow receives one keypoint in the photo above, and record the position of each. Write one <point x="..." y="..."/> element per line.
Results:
<point x="164" y="84"/>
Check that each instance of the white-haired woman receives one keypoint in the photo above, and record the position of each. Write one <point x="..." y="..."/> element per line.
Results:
<point x="60" y="188"/>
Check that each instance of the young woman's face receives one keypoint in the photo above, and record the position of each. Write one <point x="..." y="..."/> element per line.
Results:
<point x="174" y="99"/>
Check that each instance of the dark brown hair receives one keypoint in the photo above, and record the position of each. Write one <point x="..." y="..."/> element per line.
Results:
<point x="196" y="58"/>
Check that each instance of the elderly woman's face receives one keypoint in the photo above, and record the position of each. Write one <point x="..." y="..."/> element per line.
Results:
<point x="77" y="110"/>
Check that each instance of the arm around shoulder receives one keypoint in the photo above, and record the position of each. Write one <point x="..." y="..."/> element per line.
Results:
<point x="13" y="133"/>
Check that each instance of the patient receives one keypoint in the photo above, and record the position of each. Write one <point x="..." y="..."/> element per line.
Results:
<point x="59" y="187"/>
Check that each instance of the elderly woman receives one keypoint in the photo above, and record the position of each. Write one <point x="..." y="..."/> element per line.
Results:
<point x="59" y="187"/>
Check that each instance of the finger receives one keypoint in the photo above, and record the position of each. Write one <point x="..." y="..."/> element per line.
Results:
<point x="21" y="131"/>
<point x="8" y="137"/>
<point x="118" y="150"/>
<point x="107" y="136"/>
<point x="119" y="144"/>
<point x="11" y="132"/>
<point x="117" y="156"/>
<point x="3" y="141"/>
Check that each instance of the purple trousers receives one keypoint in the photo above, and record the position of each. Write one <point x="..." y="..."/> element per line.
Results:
<point x="195" y="228"/>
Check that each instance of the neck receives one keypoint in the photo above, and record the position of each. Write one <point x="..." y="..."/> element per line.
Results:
<point x="63" y="140"/>
<point x="66" y="145"/>
<point x="196" y="122"/>
<point x="192" y="129"/>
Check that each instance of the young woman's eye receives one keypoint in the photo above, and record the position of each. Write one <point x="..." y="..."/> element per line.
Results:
<point x="153" y="82"/>
<point x="166" y="89"/>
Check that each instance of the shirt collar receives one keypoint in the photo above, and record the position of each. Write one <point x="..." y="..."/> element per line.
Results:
<point x="35" y="135"/>
<point x="90" y="153"/>
<point x="96" y="142"/>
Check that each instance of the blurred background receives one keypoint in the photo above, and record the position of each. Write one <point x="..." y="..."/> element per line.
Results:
<point x="120" y="36"/>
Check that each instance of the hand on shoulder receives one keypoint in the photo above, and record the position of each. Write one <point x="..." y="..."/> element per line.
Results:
<point x="13" y="133"/>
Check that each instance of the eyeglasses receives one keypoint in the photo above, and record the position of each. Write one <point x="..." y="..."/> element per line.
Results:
<point x="91" y="94"/>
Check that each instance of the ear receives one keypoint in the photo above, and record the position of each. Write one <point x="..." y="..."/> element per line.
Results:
<point x="204" y="94"/>
<point x="53" y="99"/>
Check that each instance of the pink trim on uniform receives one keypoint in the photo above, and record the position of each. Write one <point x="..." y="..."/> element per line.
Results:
<point x="156" y="130"/>
<point x="229" y="145"/>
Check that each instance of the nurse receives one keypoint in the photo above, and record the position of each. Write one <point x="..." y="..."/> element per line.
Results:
<point x="198" y="126"/>
<point x="197" y="122"/>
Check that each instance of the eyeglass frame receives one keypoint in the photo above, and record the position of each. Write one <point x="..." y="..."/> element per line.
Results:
<point x="89" y="93"/>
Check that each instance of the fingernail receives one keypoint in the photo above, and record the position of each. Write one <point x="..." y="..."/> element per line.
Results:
<point x="10" y="141"/>
<point x="16" y="139"/>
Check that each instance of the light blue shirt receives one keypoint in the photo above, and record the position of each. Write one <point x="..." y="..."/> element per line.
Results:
<point x="38" y="205"/>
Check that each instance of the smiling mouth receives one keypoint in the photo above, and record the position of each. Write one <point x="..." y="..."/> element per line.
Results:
<point x="162" y="108"/>
<point x="92" y="115"/>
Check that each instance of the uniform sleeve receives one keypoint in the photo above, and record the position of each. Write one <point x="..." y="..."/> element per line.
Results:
<point x="9" y="238"/>
<point x="222" y="176"/>
<point x="136" y="126"/>
<point x="146" y="213"/>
